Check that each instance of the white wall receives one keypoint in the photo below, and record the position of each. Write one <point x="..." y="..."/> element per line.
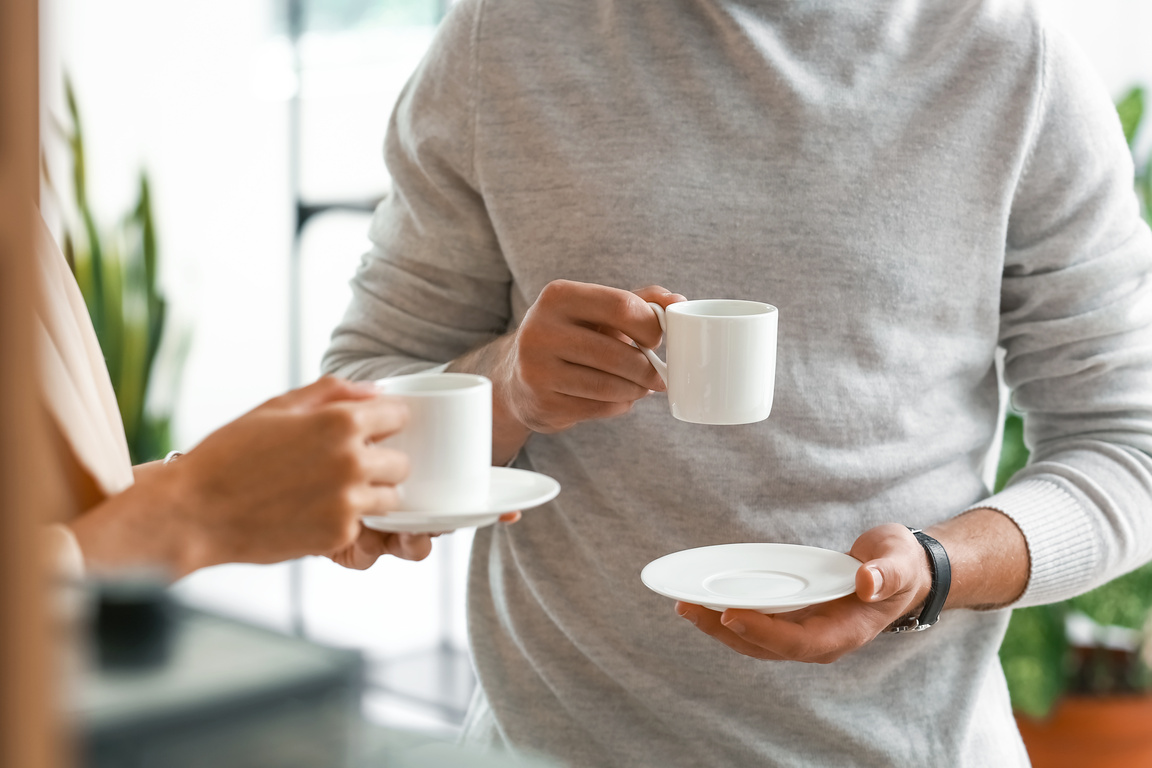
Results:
<point x="1115" y="34"/>
<point x="168" y="87"/>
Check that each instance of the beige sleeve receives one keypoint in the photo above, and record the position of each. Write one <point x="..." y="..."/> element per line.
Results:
<point x="77" y="390"/>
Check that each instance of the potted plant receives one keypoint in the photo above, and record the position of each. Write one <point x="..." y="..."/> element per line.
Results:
<point x="1079" y="671"/>
<point x="117" y="272"/>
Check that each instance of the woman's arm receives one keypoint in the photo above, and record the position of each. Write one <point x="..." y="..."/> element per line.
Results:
<point x="290" y="478"/>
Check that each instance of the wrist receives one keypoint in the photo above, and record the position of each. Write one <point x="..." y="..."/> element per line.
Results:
<point x="496" y="361"/>
<point x="989" y="556"/>
<point x="181" y="494"/>
<point x="932" y="592"/>
<point x="133" y="528"/>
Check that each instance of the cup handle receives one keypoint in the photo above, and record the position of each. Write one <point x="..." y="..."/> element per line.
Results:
<point x="660" y="366"/>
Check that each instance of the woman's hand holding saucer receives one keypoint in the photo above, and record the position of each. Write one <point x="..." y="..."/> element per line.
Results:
<point x="371" y="545"/>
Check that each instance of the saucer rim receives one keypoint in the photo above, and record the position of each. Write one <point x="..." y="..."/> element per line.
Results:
<point x="799" y="600"/>
<point x="463" y="519"/>
<point x="447" y="525"/>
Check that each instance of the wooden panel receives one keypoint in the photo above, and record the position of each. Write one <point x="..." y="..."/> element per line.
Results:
<point x="27" y="467"/>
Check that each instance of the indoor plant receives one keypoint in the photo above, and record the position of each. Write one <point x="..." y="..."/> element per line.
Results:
<point x="1086" y="660"/>
<point x="117" y="271"/>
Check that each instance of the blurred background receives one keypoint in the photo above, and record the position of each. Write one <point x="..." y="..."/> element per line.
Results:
<point x="259" y="125"/>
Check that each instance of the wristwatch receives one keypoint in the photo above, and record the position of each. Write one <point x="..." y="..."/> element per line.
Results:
<point x="941" y="582"/>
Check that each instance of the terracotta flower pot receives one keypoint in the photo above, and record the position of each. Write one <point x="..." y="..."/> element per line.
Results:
<point x="1105" y="732"/>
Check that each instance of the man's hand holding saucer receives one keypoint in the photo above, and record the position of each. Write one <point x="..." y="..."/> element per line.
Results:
<point x="892" y="583"/>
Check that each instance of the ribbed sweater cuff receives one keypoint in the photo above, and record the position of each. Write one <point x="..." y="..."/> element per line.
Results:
<point x="1060" y="535"/>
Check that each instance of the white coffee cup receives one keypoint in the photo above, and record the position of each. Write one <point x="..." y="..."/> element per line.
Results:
<point x="721" y="365"/>
<point x="448" y="440"/>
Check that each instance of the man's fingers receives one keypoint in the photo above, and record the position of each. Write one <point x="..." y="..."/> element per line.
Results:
<point x="612" y="333"/>
<point x="659" y="295"/>
<point x="708" y="622"/>
<point x="880" y="580"/>
<point x="600" y="386"/>
<point x="599" y="305"/>
<point x="704" y="619"/>
<point x="602" y="352"/>
<point x="894" y="563"/>
<point x="827" y="632"/>
<point x="571" y="410"/>
<point x="811" y="639"/>
<point x="819" y="636"/>
<point x="870" y="583"/>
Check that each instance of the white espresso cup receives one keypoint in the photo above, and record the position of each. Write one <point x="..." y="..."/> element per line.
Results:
<point x="721" y="365"/>
<point x="448" y="440"/>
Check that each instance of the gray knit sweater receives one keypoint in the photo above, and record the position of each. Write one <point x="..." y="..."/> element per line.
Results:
<point x="913" y="184"/>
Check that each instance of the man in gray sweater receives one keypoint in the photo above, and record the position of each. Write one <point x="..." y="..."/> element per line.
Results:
<point x="914" y="184"/>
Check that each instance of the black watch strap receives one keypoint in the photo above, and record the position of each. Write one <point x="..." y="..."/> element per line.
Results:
<point x="941" y="582"/>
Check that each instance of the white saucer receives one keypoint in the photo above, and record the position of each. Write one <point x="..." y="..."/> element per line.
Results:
<point x="770" y="578"/>
<point x="510" y="490"/>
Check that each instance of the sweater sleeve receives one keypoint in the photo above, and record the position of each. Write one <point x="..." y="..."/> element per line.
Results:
<point x="434" y="284"/>
<point x="1076" y="324"/>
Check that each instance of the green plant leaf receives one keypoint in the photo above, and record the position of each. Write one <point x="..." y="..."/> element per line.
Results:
<point x="1013" y="452"/>
<point x="133" y="365"/>
<point x="117" y="272"/>
<point x="96" y="297"/>
<point x="157" y="315"/>
<point x="1034" y="656"/>
<point x="142" y="217"/>
<point x="1122" y="602"/>
<point x="154" y="438"/>
<point x="76" y="142"/>
<point x="70" y="257"/>
<point x="112" y="321"/>
<point x="1131" y="111"/>
<point x="157" y="308"/>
